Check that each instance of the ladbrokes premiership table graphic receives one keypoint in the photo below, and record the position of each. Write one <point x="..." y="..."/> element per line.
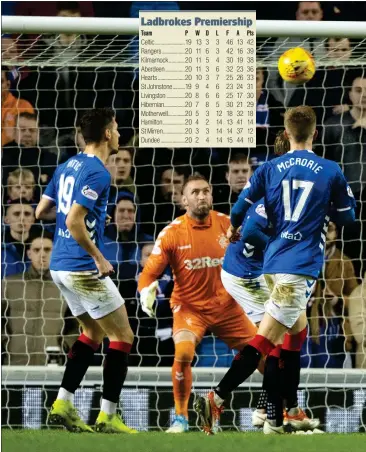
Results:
<point x="197" y="79"/>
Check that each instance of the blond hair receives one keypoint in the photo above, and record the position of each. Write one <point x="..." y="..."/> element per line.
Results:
<point x="300" y="123"/>
<point x="20" y="174"/>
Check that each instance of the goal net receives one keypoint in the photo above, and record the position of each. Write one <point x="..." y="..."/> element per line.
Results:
<point x="48" y="80"/>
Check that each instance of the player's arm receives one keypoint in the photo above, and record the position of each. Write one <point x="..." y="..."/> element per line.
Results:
<point x="343" y="202"/>
<point x="46" y="209"/>
<point x="154" y="267"/>
<point x="85" y="199"/>
<point x="251" y="193"/>
<point x="256" y="227"/>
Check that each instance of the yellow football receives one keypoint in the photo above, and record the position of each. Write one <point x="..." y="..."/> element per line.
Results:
<point x="296" y="66"/>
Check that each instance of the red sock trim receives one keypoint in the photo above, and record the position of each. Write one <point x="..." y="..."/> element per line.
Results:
<point x="262" y="344"/>
<point x="276" y="352"/>
<point x="121" y="346"/>
<point x="87" y="341"/>
<point x="294" y="342"/>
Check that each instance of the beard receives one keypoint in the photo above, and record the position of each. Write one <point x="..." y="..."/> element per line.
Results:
<point x="202" y="211"/>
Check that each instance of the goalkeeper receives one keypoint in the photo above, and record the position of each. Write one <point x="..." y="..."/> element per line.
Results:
<point x="194" y="246"/>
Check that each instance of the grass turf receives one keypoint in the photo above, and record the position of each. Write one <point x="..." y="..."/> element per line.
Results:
<point x="62" y="441"/>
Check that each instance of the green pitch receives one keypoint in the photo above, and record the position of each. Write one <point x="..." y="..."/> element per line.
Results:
<point x="60" y="441"/>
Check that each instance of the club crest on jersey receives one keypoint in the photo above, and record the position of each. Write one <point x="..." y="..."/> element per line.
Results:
<point x="260" y="210"/>
<point x="89" y="193"/>
<point x="223" y="241"/>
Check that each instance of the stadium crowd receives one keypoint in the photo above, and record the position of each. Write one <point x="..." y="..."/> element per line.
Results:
<point x="40" y="110"/>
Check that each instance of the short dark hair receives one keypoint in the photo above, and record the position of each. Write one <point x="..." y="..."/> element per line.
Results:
<point x="193" y="178"/>
<point x="39" y="234"/>
<point x="94" y="123"/>
<point x="67" y="6"/>
<point x="354" y="73"/>
<point x="239" y="157"/>
<point x="27" y="115"/>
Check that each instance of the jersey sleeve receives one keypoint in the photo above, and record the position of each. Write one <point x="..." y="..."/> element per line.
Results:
<point x="251" y="193"/>
<point x="90" y="188"/>
<point x="50" y="192"/>
<point x="255" y="227"/>
<point x="158" y="260"/>
<point x="342" y="196"/>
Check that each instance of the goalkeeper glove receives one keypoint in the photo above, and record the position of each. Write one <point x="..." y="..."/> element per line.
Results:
<point x="148" y="297"/>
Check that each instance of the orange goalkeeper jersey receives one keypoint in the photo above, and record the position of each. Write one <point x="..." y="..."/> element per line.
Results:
<point x="195" y="253"/>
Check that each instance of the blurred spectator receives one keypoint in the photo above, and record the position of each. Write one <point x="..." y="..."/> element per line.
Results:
<point x="33" y="309"/>
<point x="11" y="107"/>
<point x="63" y="89"/>
<point x="120" y="165"/>
<point x="281" y="90"/>
<point x="52" y="8"/>
<point x="65" y="46"/>
<point x="213" y="352"/>
<point x="326" y="92"/>
<point x="124" y="239"/>
<point x="66" y="146"/>
<point x="237" y="175"/>
<point x="154" y="346"/>
<point x="309" y="11"/>
<point x="269" y="119"/>
<point x="10" y="263"/>
<point x="357" y="320"/>
<point x="345" y="134"/>
<point x="167" y="200"/>
<point x="21" y="185"/>
<point x="19" y="220"/>
<point x="329" y="338"/>
<point x="24" y="151"/>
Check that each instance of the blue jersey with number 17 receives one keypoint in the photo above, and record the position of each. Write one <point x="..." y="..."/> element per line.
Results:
<point x="84" y="180"/>
<point x="299" y="189"/>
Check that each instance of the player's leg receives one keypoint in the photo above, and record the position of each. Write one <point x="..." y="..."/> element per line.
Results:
<point x="79" y="358"/>
<point x="290" y="359"/>
<point x="113" y="320"/>
<point x="285" y="309"/>
<point x="251" y="294"/>
<point x="232" y="325"/>
<point x="188" y="329"/>
<point x="286" y="303"/>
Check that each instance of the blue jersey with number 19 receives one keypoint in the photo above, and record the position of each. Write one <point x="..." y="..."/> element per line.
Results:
<point x="84" y="180"/>
<point x="299" y="190"/>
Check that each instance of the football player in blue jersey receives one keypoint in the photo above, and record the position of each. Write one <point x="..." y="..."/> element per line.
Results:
<point x="301" y="193"/>
<point x="79" y="189"/>
<point x="242" y="277"/>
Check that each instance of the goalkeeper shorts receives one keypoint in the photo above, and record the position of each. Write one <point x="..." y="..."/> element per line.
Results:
<point x="289" y="296"/>
<point x="85" y="292"/>
<point x="251" y="294"/>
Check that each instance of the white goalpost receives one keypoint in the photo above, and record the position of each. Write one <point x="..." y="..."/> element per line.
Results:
<point x="98" y="64"/>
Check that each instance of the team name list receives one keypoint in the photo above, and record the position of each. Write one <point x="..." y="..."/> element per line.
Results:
<point x="197" y="79"/>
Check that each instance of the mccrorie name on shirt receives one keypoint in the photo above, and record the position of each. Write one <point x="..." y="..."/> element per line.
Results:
<point x="306" y="163"/>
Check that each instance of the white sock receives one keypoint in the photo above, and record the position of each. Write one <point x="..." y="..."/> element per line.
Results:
<point x="108" y="407"/>
<point x="218" y="400"/>
<point x="65" y="395"/>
